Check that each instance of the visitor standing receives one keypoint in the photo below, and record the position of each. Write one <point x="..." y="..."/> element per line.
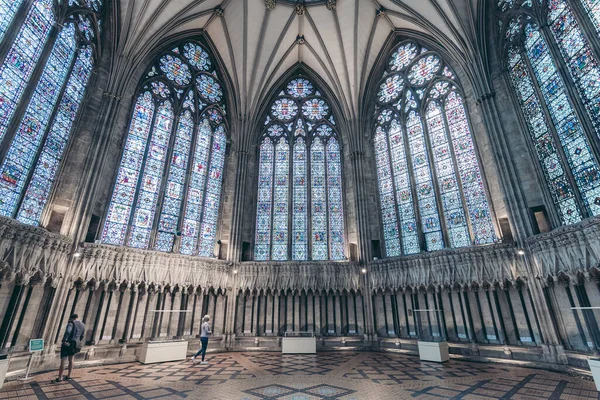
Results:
<point x="71" y="345"/>
<point x="205" y="332"/>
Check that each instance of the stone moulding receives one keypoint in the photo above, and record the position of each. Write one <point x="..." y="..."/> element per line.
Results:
<point x="567" y="253"/>
<point x="497" y="264"/>
<point x="106" y="264"/>
<point x="308" y="275"/>
<point x="29" y="253"/>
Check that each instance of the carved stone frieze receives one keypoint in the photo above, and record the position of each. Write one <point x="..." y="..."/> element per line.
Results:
<point x="569" y="251"/>
<point x="29" y="252"/>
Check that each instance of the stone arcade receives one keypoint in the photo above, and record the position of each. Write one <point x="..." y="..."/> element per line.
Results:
<point x="301" y="166"/>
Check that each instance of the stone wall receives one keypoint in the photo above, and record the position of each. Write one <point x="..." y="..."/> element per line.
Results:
<point x="493" y="301"/>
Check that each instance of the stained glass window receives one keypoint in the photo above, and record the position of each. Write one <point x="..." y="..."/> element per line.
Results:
<point x="299" y="196"/>
<point x="36" y="137"/>
<point x="302" y="219"/>
<point x="431" y="191"/>
<point x="8" y="9"/>
<point x="170" y="177"/>
<point x="543" y="64"/>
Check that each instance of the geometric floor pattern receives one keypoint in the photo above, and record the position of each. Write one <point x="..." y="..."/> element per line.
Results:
<point x="324" y="376"/>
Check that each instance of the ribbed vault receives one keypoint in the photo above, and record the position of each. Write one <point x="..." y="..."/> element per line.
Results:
<point x="260" y="40"/>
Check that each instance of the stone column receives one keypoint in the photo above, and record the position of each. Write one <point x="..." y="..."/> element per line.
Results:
<point x="219" y="325"/>
<point x="338" y="313"/>
<point x="175" y="314"/>
<point x="360" y="326"/>
<point x="297" y="309"/>
<point x="276" y="312"/>
<point x="141" y="309"/>
<point x="310" y="319"/>
<point x="111" y="312"/>
<point x="124" y="315"/>
<point x="269" y="313"/>
<point x="317" y="316"/>
<point x="198" y="313"/>
<point x="289" y="317"/>
<point x="255" y="313"/>
<point x="249" y="301"/>
<point x="390" y="330"/>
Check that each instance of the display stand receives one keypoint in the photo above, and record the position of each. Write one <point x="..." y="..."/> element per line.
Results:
<point x="163" y="351"/>
<point x="431" y="347"/>
<point x="3" y="368"/>
<point x="299" y="343"/>
<point x="594" y="363"/>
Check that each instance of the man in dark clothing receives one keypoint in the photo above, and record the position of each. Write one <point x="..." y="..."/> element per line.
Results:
<point x="71" y="345"/>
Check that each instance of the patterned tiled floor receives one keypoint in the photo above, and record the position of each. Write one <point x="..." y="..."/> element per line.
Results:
<point x="325" y="376"/>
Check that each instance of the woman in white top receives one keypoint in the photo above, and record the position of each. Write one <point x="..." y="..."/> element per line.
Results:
<point x="205" y="332"/>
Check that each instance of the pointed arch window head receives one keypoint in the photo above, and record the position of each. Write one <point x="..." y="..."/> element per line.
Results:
<point x="299" y="213"/>
<point x="555" y="75"/>
<point x="168" y="188"/>
<point x="431" y="191"/>
<point x="43" y="79"/>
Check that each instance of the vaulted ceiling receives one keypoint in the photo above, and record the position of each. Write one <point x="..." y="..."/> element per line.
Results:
<point x="258" y="40"/>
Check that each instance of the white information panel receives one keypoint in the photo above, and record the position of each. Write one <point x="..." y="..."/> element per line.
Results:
<point x="299" y="345"/>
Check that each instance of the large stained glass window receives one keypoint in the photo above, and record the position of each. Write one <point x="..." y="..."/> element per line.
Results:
<point x="168" y="187"/>
<point x="299" y="212"/>
<point x="431" y="190"/>
<point x="542" y="64"/>
<point x="59" y="41"/>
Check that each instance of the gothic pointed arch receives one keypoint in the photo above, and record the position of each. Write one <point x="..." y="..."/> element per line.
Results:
<point x="299" y="214"/>
<point x="550" y="51"/>
<point x="431" y="190"/>
<point x="167" y="191"/>
<point x="48" y="51"/>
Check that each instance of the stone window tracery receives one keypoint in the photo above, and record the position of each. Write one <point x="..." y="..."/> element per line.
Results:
<point x="171" y="171"/>
<point x="300" y="203"/>
<point x="554" y="71"/>
<point x="431" y="190"/>
<point x="43" y="78"/>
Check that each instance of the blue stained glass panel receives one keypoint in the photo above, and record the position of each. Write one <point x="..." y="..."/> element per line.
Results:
<point x="169" y="218"/>
<point x="592" y="7"/>
<point x="213" y="194"/>
<point x="456" y="222"/>
<point x="281" y="201"/>
<point x="335" y="201"/>
<point x="300" y="203"/>
<point x="119" y="211"/>
<point x="318" y="201"/>
<point x="581" y="62"/>
<point x="468" y="169"/>
<point x="143" y="216"/>
<point x="193" y="209"/>
<point x="430" y="219"/>
<point x="44" y="174"/>
<point x="386" y="194"/>
<point x="8" y="9"/>
<point x="404" y="196"/>
<point x="576" y="147"/>
<point x="22" y="58"/>
<point x="14" y="171"/>
<point x="262" y="245"/>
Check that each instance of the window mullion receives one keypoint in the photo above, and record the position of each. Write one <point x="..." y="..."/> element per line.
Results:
<point x="141" y="170"/>
<point x="21" y="108"/>
<point x="186" y="186"/>
<point x="413" y="186"/>
<point x="326" y="185"/>
<point x="272" y="216"/>
<point x="587" y="27"/>
<point x="555" y="137"/>
<point x="13" y="29"/>
<point x="547" y="196"/>
<point x="203" y="203"/>
<point x="163" y="183"/>
<point x="456" y="171"/>
<point x="570" y="87"/>
<point x="290" y="197"/>
<point x="46" y="132"/>
<point x="386" y="133"/>
<point x="433" y="168"/>
<point x="308" y="200"/>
